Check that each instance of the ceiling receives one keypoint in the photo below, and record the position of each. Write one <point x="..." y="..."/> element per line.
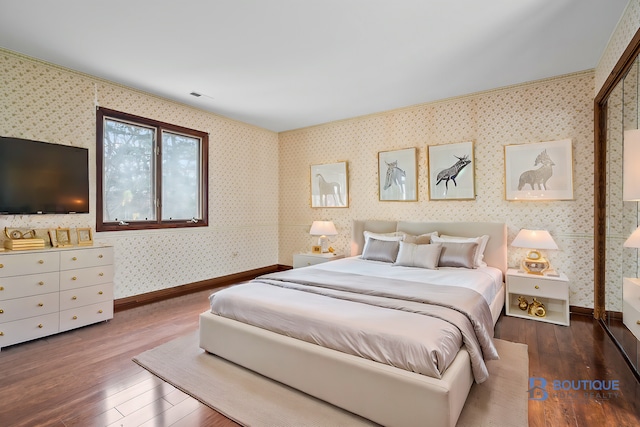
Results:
<point x="287" y="64"/>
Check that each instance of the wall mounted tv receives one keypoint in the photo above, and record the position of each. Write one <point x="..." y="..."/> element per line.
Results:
<point x="42" y="178"/>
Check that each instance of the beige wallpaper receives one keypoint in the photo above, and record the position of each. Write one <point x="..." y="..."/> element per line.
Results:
<point x="47" y="103"/>
<point x="554" y="109"/>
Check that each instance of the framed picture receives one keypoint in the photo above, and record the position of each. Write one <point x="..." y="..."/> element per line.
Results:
<point x="539" y="171"/>
<point x="85" y="237"/>
<point x="451" y="171"/>
<point x="330" y="185"/>
<point x="316" y="249"/>
<point x="398" y="175"/>
<point x="63" y="237"/>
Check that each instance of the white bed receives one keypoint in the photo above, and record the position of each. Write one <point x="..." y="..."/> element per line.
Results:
<point x="379" y="392"/>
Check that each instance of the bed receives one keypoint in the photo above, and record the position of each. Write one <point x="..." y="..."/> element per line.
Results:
<point x="359" y="379"/>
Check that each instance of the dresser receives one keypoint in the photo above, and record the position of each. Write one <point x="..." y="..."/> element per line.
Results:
<point x="47" y="291"/>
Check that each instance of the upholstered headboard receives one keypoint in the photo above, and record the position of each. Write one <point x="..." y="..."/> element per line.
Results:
<point x="495" y="254"/>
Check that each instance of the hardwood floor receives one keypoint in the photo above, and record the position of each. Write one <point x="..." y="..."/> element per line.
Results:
<point x="86" y="377"/>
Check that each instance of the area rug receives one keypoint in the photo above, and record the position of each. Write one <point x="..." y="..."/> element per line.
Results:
<point x="253" y="400"/>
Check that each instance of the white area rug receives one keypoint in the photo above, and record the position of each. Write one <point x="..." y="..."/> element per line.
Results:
<point x="253" y="400"/>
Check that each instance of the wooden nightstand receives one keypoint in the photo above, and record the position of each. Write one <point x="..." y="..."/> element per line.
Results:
<point x="551" y="291"/>
<point x="308" y="258"/>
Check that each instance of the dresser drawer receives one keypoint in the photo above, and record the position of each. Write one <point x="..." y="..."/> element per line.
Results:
<point x="28" y="329"/>
<point x="21" y="308"/>
<point x="87" y="257"/>
<point x="72" y="279"/>
<point x="32" y="284"/>
<point x="538" y="288"/>
<point x="82" y="316"/>
<point x="84" y="296"/>
<point x="28" y="263"/>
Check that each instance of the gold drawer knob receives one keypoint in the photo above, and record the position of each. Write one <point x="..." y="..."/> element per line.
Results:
<point x="74" y="259"/>
<point x="74" y="278"/>
<point x="1" y="265"/>
<point x="41" y="283"/>
<point x="1" y="311"/>
<point x="74" y="297"/>
<point x="537" y="287"/>
<point x="100" y="274"/>
<point x="40" y="304"/>
<point x="1" y="288"/>
<point x="100" y="293"/>
<point x="75" y="317"/>
<point x="637" y="322"/>
<point x="100" y="256"/>
<point x="40" y="261"/>
<point x="40" y="326"/>
<point x="100" y="311"/>
<point x="1" y="334"/>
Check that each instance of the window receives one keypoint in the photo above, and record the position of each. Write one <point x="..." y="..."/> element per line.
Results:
<point x="150" y="174"/>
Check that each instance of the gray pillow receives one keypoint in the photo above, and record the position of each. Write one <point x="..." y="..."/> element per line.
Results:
<point x="458" y="255"/>
<point x="381" y="250"/>
<point x="417" y="255"/>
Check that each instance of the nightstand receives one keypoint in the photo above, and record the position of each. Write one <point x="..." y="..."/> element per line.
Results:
<point x="308" y="258"/>
<point x="551" y="291"/>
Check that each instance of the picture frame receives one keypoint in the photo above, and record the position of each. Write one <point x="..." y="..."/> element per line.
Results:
<point x="63" y="237"/>
<point x="85" y="236"/>
<point x="329" y="185"/>
<point x="398" y="175"/>
<point x="315" y="249"/>
<point x="52" y="238"/>
<point x="451" y="171"/>
<point x="539" y="171"/>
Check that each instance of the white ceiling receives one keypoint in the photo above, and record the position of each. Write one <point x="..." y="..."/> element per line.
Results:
<point x="287" y="64"/>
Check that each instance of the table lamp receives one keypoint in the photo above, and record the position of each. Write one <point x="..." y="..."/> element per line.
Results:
<point x="534" y="263"/>
<point x="323" y="229"/>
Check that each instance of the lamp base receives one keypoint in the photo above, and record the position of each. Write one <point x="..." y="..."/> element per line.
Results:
<point x="323" y="242"/>
<point x="535" y="266"/>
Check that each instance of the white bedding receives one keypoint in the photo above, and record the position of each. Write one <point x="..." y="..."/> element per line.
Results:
<point x="387" y="320"/>
<point x="487" y="281"/>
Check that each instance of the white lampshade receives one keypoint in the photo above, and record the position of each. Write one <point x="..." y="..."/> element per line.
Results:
<point x="631" y="166"/>
<point x="634" y="240"/>
<point x="323" y="229"/>
<point x="534" y="239"/>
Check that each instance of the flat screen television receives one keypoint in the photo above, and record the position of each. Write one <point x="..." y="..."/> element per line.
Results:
<point x="42" y="178"/>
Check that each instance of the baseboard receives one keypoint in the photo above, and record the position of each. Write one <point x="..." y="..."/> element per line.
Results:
<point x="584" y="311"/>
<point x="217" y="282"/>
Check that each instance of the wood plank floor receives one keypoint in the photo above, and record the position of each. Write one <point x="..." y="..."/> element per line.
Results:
<point x="86" y="377"/>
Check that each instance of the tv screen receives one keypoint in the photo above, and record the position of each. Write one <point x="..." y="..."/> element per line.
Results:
<point x="42" y="178"/>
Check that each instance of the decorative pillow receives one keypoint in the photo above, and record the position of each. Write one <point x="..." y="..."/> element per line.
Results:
<point x="381" y="250"/>
<point x="394" y="237"/>
<point x="455" y="254"/>
<point x="415" y="255"/>
<point x="481" y="241"/>
<point x="423" y="239"/>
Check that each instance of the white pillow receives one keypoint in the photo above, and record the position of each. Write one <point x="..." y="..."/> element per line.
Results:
<point x="387" y="237"/>
<point x="415" y="255"/>
<point x="481" y="241"/>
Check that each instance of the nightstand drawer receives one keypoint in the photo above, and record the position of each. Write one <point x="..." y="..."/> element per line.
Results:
<point x="538" y="288"/>
<point x="305" y="260"/>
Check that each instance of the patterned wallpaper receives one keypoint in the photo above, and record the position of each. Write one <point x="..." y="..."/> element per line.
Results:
<point x="548" y="110"/>
<point x="48" y="103"/>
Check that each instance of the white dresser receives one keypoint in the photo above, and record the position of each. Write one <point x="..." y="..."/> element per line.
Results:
<point x="47" y="291"/>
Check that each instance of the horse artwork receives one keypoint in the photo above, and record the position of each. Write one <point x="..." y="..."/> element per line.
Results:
<point x="452" y="172"/>
<point x="395" y="176"/>
<point x="329" y="189"/>
<point x="538" y="177"/>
